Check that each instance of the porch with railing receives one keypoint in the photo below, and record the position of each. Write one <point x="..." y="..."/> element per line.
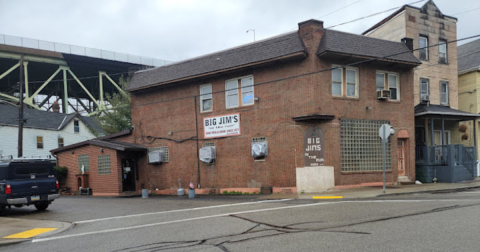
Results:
<point x="448" y="163"/>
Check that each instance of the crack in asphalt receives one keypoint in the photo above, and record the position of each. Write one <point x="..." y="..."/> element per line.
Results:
<point x="267" y="232"/>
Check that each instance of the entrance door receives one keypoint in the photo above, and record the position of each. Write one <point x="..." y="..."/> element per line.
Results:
<point x="128" y="174"/>
<point x="401" y="157"/>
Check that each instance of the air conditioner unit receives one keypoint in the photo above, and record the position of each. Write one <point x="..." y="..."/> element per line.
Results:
<point x="207" y="154"/>
<point x="383" y="94"/>
<point x="259" y="150"/>
<point x="425" y="98"/>
<point x="155" y="157"/>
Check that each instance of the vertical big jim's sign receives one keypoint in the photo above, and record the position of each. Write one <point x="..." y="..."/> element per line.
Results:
<point x="314" y="147"/>
<point x="221" y="126"/>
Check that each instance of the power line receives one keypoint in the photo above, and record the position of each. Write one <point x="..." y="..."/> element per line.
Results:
<point x="305" y="74"/>
<point x="340" y="9"/>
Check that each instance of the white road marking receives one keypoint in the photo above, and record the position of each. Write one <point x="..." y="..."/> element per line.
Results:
<point x="228" y="214"/>
<point x="183" y="220"/>
<point x="178" y="210"/>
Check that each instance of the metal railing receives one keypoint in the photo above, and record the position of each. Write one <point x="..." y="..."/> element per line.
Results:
<point x="447" y="155"/>
<point x="80" y="50"/>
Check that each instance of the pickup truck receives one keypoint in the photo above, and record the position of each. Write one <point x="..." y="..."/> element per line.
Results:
<point x="25" y="182"/>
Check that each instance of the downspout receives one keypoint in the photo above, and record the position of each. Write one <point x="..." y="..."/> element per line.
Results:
<point x="196" y="134"/>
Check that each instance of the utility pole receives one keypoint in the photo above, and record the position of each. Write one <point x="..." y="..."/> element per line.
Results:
<point x="20" y="112"/>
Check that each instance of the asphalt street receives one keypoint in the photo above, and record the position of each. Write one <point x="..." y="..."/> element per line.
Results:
<point x="419" y="222"/>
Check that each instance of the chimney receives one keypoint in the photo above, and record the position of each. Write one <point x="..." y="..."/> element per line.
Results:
<point x="311" y="32"/>
<point x="408" y="42"/>
<point x="56" y="107"/>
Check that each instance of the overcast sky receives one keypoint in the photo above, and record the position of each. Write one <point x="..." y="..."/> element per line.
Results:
<point x="180" y="29"/>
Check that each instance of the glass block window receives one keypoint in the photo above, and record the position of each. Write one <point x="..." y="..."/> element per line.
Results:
<point x="103" y="164"/>
<point x="166" y="154"/>
<point x="361" y="146"/>
<point x="208" y="144"/>
<point x="85" y="161"/>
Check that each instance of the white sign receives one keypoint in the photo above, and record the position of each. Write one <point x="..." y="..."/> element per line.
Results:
<point x="221" y="126"/>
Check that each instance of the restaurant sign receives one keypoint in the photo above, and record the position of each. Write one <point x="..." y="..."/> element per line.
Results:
<point x="221" y="126"/>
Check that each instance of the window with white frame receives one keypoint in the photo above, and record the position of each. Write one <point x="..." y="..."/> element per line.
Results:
<point x="424" y="88"/>
<point x="423" y="47"/>
<point x="39" y="142"/>
<point x="437" y="139"/>
<point x="388" y="81"/>
<point x="444" y="92"/>
<point x="60" y="142"/>
<point x="350" y="75"/>
<point x="206" y="104"/>
<point x="76" y="126"/>
<point x="239" y="92"/>
<point x="442" y="52"/>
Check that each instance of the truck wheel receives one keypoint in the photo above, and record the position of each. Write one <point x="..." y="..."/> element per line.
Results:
<point x="41" y="206"/>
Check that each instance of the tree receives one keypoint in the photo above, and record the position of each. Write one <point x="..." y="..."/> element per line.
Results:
<point x="118" y="116"/>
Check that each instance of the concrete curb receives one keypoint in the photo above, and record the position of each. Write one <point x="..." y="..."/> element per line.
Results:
<point x="431" y="191"/>
<point x="62" y="226"/>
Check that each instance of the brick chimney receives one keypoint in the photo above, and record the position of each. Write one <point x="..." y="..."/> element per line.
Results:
<point x="56" y="107"/>
<point x="311" y="32"/>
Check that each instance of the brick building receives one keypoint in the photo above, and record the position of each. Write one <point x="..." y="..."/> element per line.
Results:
<point x="433" y="36"/>
<point x="308" y="102"/>
<point x="283" y="92"/>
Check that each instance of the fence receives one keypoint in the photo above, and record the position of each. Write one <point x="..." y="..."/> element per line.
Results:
<point x="80" y="50"/>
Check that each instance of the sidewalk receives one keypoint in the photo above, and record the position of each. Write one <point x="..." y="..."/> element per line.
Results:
<point x="377" y="191"/>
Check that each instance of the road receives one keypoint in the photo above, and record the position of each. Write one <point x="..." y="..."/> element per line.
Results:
<point x="423" y="222"/>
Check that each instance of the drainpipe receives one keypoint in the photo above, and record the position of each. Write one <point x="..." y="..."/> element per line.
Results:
<point x="196" y="134"/>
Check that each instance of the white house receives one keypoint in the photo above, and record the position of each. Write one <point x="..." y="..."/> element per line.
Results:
<point x="42" y="131"/>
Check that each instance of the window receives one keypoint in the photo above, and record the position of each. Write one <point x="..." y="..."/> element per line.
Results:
<point x="206" y="98"/>
<point x="103" y="164"/>
<point x="442" y="52"/>
<point x="60" y="142"/>
<point x="424" y="89"/>
<point x="389" y="81"/>
<point x="83" y="160"/>
<point x="361" y="148"/>
<point x="423" y="47"/>
<point x="166" y="154"/>
<point x="350" y="75"/>
<point x="39" y="142"/>
<point x="437" y="134"/>
<point x="244" y="96"/>
<point x="444" y="92"/>
<point x="76" y="126"/>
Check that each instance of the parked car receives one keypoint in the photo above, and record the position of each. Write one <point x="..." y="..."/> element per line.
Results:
<point x="25" y="182"/>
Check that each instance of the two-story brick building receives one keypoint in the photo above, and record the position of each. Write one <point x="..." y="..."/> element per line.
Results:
<point x="284" y="92"/>
<point x="309" y="100"/>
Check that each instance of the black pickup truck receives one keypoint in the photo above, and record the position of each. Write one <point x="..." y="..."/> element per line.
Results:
<point x="26" y="182"/>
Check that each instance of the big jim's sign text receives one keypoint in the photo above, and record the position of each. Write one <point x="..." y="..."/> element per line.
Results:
<point x="221" y="126"/>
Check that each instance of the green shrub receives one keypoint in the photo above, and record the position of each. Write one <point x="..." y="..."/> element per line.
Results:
<point x="60" y="172"/>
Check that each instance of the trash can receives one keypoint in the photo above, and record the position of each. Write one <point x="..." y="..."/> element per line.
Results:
<point x="191" y="193"/>
<point x="144" y="193"/>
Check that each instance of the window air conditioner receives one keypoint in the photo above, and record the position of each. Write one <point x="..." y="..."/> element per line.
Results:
<point x="383" y="94"/>
<point x="425" y="98"/>
<point x="207" y="154"/>
<point x="155" y="157"/>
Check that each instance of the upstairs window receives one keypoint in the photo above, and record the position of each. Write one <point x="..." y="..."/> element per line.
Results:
<point x="239" y="92"/>
<point x="76" y="126"/>
<point x="423" y="48"/>
<point x="206" y="98"/>
<point x="442" y="52"/>
<point x="345" y="79"/>
<point x="424" y="90"/>
<point x="60" y="142"/>
<point x="39" y="142"/>
<point x="444" y="92"/>
<point x="388" y="81"/>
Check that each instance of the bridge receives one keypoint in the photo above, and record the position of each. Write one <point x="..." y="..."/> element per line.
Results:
<point x="77" y="78"/>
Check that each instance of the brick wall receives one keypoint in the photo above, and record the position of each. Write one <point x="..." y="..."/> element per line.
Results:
<point x="163" y="112"/>
<point x="101" y="184"/>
